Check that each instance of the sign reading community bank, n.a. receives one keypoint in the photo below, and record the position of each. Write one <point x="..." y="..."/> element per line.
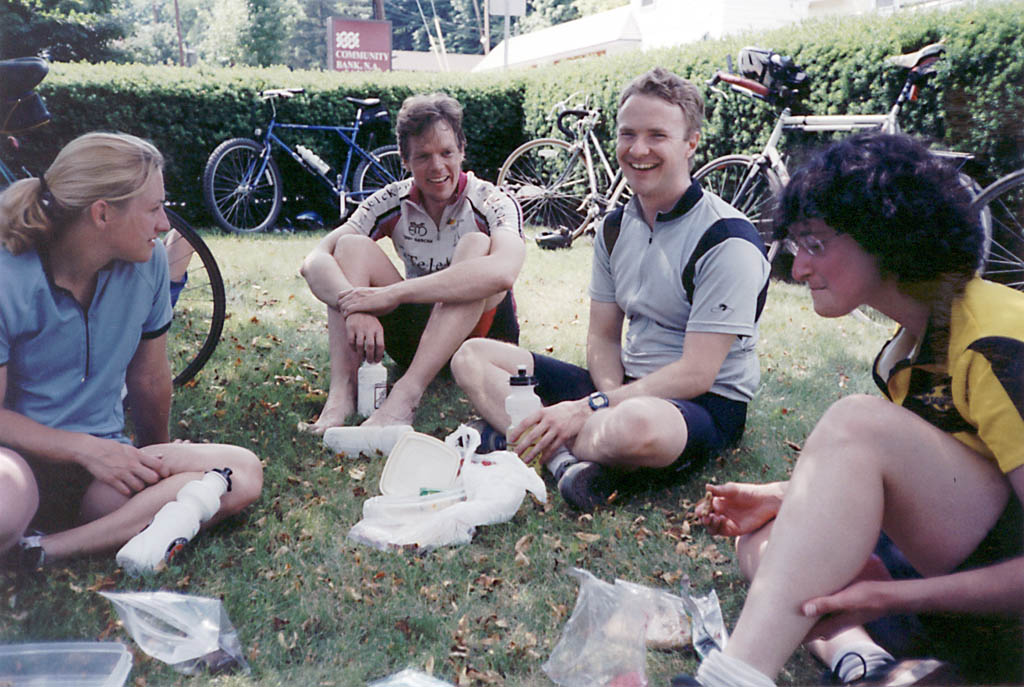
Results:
<point x="354" y="45"/>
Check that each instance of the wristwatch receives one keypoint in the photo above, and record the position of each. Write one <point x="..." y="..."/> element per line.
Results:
<point x="597" y="400"/>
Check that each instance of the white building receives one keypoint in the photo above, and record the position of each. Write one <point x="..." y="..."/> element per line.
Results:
<point x="648" y="24"/>
<point x="643" y="24"/>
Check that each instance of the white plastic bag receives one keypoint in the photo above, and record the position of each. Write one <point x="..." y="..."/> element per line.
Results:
<point x="602" y="644"/>
<point x="668" y="626"/>
<point x="190" y="633"/>
<point x="494" y="485"/>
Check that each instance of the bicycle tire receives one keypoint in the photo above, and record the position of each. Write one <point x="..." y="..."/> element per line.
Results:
<point x="749" y="187"/>
<point x="200" y="310"/>
<point x="237" y="203"/>
<point x="1004" y="199"/>
<point x="369" y="177"/>
<point x="548" y="179"/>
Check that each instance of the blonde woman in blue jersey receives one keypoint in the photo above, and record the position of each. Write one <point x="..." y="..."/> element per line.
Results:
<point x="937" y="465"/>
<point x="84" y="313"/>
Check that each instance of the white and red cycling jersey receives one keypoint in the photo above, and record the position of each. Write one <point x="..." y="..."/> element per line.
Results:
<point x="397" y="211"/>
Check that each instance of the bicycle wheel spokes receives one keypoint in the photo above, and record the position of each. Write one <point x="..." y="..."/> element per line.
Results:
<point x="199" y="309"/>
<point x="1005" y="202"/>
<point x="370" y="177"/>
<point x="241" y="196"/>
<point x="739" y="181"/>
<point x="242" y="189"/>
<point x="550" y="183"/>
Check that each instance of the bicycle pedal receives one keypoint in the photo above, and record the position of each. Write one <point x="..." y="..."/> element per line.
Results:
<point x="551" y="240"/>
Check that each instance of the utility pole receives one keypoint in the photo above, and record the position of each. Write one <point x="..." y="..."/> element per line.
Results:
<point x="181" y="45"/>
<point x="378" y="10"/>
<point x="485" y="33"/>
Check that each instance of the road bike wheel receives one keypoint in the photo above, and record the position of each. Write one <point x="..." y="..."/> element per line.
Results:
<point x="200" y="308"/>
<point x="749" y="187"/>
<point x="550" y="182"/>
<point x="1005" y="202"/>
<point x="370" y="178"/>
<point x="239" y="201"/>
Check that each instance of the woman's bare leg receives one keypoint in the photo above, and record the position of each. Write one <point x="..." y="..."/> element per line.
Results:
<point x="868" y="464"/>
<point x="111" y="519"/>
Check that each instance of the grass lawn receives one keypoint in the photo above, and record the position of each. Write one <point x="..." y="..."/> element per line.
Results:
<point x="313" y="609"/>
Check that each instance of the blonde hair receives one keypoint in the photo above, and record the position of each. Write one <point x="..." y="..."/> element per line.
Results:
<point x="96" y="166"/>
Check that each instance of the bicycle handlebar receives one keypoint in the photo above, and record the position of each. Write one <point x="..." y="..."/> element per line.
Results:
<point x="281" y="93"/>
<point x="740" y="84"/>
<point x="560" y="122"/>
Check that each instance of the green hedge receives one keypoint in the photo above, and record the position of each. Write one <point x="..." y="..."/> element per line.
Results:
<point x="973" y="104"/>
<point x="187" y="112"/>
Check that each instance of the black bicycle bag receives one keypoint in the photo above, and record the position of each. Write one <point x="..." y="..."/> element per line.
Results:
<point x="770" y="69"/>
<point x="20" y="107"/>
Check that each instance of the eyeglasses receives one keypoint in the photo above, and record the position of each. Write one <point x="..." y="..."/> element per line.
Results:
<point x="809" y="243"/>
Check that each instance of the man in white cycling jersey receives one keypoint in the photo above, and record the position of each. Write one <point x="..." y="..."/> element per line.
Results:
<point x="461" y="241"/>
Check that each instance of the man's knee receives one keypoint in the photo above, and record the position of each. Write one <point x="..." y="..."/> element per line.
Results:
<point x="647" y="428"/>
<point x="473" y="245"/>
<point x="352" y="243"/>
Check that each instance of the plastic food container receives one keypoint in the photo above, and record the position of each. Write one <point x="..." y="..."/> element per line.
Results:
<point x="419" y="465"/>
<point x="65" y="664"/>
<point x="407" y="508"/>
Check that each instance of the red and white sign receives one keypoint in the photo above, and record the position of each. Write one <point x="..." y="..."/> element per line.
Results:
<point x="354" y="45"/>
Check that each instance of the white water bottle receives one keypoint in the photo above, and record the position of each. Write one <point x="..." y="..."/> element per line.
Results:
<point x="372" y="387"/>
<point x="522" y="401"/>
<point x="176" y="523"/>
<point x="312" y="159"/>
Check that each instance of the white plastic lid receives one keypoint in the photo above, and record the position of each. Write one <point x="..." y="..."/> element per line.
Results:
<point x="82" y="664"/>
<point x="419" y="464"/>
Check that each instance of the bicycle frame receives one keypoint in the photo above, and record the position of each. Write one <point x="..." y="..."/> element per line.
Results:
<point x="348" y="134"/>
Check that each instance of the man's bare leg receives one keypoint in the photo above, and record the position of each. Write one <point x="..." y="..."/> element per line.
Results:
<point x="111" y="519"/>
<point x="639" y="432"/>
<point x="364" y="264"/>
<point x="481" y="368"/>
<point x="448" y="326"/>
<point x="867" y="465"/>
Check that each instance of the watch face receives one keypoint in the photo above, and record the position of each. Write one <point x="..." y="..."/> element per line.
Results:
<point x="597" y="400"/>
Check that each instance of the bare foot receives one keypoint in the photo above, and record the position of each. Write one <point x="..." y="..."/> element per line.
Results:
<point x="397" y="409"/>
<point x="329" y="417"/>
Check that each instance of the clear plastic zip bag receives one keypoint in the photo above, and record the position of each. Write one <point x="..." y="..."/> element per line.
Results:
<point x="192" y="634"/>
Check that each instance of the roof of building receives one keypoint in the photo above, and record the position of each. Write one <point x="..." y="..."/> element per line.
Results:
<point x="606" y="32"/>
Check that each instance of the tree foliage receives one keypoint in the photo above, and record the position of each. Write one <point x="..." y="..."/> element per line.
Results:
<point x="63" y="30"/>
<point x="251" y="32"/>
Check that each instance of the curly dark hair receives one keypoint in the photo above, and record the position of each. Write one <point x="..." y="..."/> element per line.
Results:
<point x="898" y="201"/>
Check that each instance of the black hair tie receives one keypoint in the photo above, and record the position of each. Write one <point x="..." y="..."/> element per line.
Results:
<point x="46" y="199"/>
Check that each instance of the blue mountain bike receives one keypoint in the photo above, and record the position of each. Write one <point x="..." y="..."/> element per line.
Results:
<point x="243" y="186"/>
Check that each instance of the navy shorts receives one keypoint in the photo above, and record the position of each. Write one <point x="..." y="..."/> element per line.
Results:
<point x="713" y="422"/>
<point x="986" y="649"/>
<point x="404" y="326"/>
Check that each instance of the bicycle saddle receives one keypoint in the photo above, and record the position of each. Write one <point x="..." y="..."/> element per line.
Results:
<point x="281" y="92"/>
<point x="913" y="59"/>
<point x="21" y="75"/>
<point x="363" y="102"/>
